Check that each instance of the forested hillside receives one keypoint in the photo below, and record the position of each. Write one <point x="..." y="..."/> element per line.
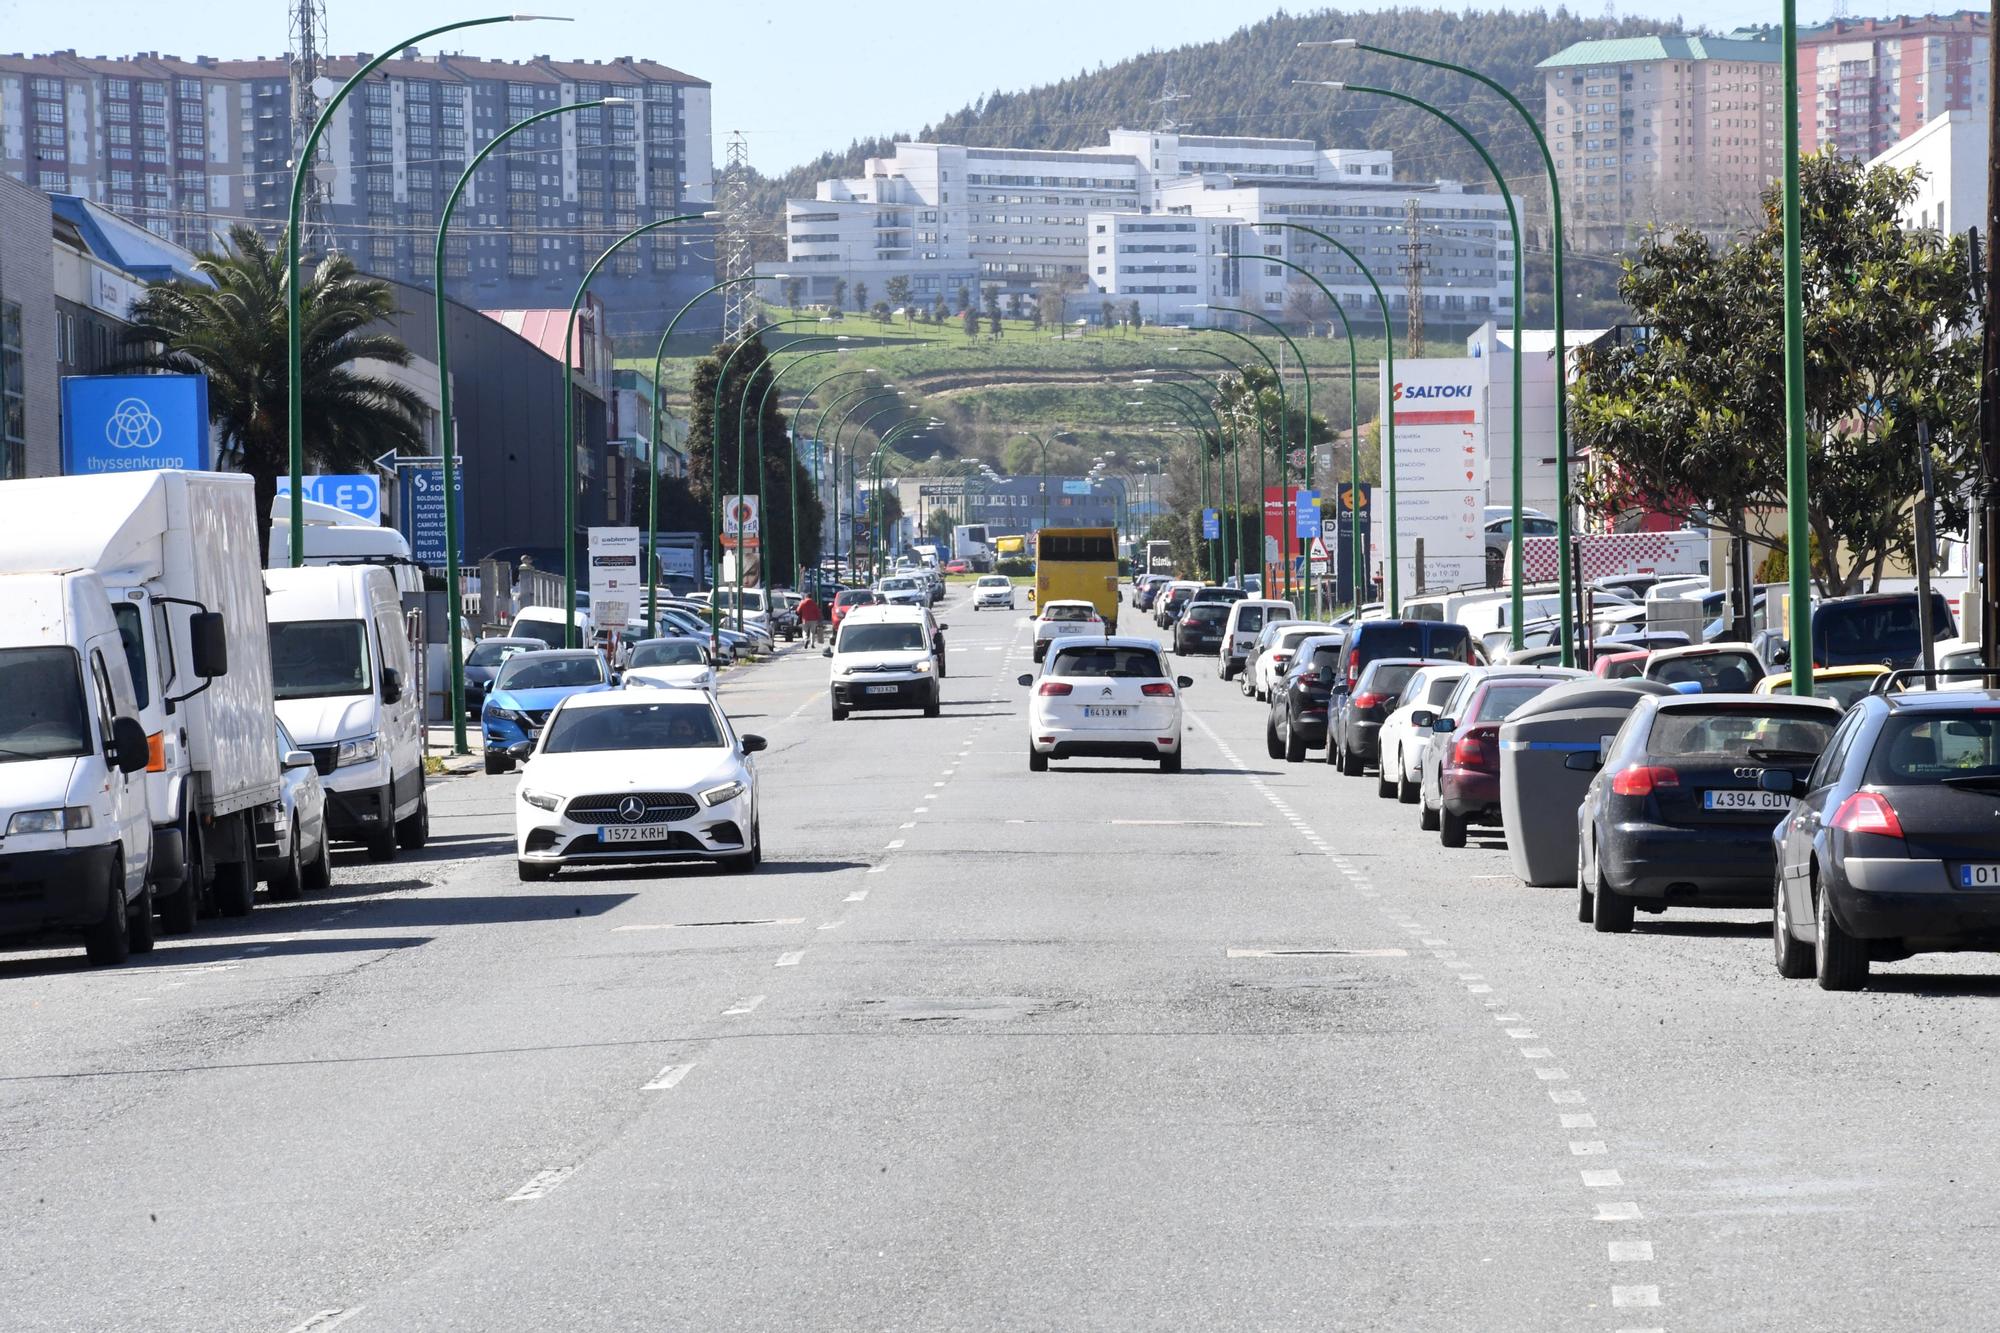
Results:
<point x="1243" y="85"/>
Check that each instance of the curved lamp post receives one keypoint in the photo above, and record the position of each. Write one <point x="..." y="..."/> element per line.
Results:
<point x="1188" y="398"/>
<point x="449" y="430"/>
<point x="1263" y="433"/>
<point x="742" y="432"/>
<point x="798" y="568"/>
<point x="1288" y="529"/>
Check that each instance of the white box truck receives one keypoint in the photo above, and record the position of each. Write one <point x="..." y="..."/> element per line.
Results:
<point x="177" y="555"/>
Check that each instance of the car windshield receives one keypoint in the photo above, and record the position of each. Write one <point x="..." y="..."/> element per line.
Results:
<point x="548" y="671"/>
<point x="1738" y="733"/>
<point x="314" y="659"/>
<point x="1499" y="700"/>
<point x="669" y="652"/>
<point x="1137" y="663"/>
<point x="551" y="632"/>
<point x="653" y="726"/>
<point x="896" y="636"/>
<point x="492" y="653"/>
<point x="898" y="585"/>
<point x="995" y="581"/>
<point x="1716" y="673"/>
<point x="1842" y="690"/>
<point x="1060" y="612"/>
<point x="1962" y="748"/>
<point x="41" y="705"/>
<point x="854" y="597"/>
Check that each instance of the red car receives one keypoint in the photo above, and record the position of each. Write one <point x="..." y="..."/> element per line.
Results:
<point x="849" y="598"/>
<point x="957" y="567"/>
<point x="1461" y="764"/>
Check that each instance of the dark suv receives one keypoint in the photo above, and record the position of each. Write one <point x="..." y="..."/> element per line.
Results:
<point x="1199" y="629"/>
<point x="1298" y="717"/>
<point x="1407" y="640"/>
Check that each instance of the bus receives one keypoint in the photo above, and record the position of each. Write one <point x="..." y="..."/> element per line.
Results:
<point x="1079" y="564"/>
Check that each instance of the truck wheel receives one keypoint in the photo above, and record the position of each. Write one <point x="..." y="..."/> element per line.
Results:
<point x="289" y="882"/>
<point x="235" y="887"/>
<point x="496" y="764"/>
<point x="179" y="912"/>
<point x="413" y="833"/>
<point x="139" y="924"/>
<point x="109" y="942"/>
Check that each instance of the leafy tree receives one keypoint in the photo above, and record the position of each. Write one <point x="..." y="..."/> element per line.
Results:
<point x="860" y="296"/>
<point x="964" y="298"/>
<point x="840" y="295"/>
<point x="1132" y="316"/>
<point x="971" y="321"/>
<point x="881" y="312"/>
<point x="780" y="478"/>
<point x="1037" y="312"/>
<point x="235" y="334"/>
<point x="1690" y="421"/>
<point x="1108" y="315"/>
<point x="993" y="312"/>
<point x="940" y="312"/>
<point x="794" y="290"/>
<point x="899" y="292"/>
<point x="1015" y="306"/>
<point x="940" y="523"/>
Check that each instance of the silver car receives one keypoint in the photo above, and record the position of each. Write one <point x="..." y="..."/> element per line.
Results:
<point x="291" y="845"/>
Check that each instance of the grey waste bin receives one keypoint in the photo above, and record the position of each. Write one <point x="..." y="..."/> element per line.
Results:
<point x="1539" y="793"/>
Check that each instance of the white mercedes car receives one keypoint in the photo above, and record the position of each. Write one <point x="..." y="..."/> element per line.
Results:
<point x="993" y="590"/>
<point x="677" y="663"/>
<point x="1105" y="698"/>
<point x="627" y="777"/>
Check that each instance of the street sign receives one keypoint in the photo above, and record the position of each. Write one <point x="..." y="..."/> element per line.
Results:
<point x="739" y="520"/>
<point x="134" y="423"/>
<point x="615" y="576"/>
<point x="1071" y="487"/>
<point x="358" y="493"/>
<point x="423" y="503"/>
<point x="1305" y="513"/>
<point x="1211" y="525"/>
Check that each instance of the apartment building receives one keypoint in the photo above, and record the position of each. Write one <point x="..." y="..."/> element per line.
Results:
<point x="1662" y="131"/>
<point x="186" y="147"/>
<point x="1152" y="217"/>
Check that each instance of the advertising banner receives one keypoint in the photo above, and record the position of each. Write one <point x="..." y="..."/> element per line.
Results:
<point x="134" y="423"/>
<point x="1211" y="524"/>
<point x="423" y="503"/>
<point x="616" y="582"/>
<point x="1305" y="513"/>
<point x="359" y="493"/>
<point x="1441" y="471"/>
<point x="739" y="520"/>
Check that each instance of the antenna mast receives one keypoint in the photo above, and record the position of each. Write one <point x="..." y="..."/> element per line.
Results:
<point x="739" y="305"/>
<point x="309" y="42"/>
<point x="1413" y="275"/>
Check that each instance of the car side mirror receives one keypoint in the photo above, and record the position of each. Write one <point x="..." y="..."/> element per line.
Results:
<point x="392" y="685"/>
<point x="826" y="651"/>
<point x="754" y="744"/>
<point x="1781" y="656"/>
<point x="1185" y="682"/>
<point x="297" y="759"/>
<point x="521" y="750"/>
<point x="208" y="643"/>
<point x="1778" y="781"/>
<point x="1444" y="726"/>
<point x="129" y="749"/>
<point x="1423" y="718"/>
<point x="1583" y="761"/>
<point x="1024" y="680"/>
<point x="617" y="679"/>
<point x="942" y="627"/>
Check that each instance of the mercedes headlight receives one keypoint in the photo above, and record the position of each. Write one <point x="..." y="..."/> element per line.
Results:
<point x="59" y="820"/>
<point x="358" y="751"/>
<point x="541" y="800"/>
<point x="728" y="791"/>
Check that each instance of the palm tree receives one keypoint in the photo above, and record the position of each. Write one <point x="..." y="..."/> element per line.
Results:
<point x="234" y="333"/>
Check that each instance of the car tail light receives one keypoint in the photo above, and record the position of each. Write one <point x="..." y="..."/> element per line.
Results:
<point x="1868" y="812"/>
<point x="1054" y="687"/>
<point x="1158" y="689"/>
<point x="1644" y="780"/>
<point x="1370" y="700"/>
<point x="1469" y="752"/>
<point x="1353" y="673"/>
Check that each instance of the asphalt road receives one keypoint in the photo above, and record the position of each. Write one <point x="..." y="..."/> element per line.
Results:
<point x="1099" y="1048"/>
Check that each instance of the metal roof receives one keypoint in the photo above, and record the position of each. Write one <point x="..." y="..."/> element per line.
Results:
<point x="1632" y="50"/>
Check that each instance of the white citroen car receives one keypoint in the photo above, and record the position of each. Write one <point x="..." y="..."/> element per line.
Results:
<point x="628" y="777"/>
<point x="670" y="664"/>
<point x="993" y="590"/>
<point x="1104" y="698"/>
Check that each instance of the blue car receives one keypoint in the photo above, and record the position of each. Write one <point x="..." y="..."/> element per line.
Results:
<point x="527" y="690"/>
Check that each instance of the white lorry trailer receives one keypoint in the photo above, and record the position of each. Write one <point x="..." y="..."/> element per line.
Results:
<point x="177" y="555"/>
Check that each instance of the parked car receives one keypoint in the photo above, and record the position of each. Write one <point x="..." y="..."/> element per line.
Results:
<point x="849" y="598"/>
<point x="1876" y="627"/>
<point x="1677" y="816"/>
<point x="1246" y="679"/>
<point x="1247" y="619"/>
<point x="1172" y="600"/>
<point x="1297" y="719"/>
<point x="1355" y="717"/>
<point x="527" y="691"/>
<point x="1401" y="740"/>
<point x="1066" y="618"/>
<point x="957" y="567"/>
<point x="674" y="663"/>
<point x="1272" y="663"/>
<point x="1460" y="785"/>
<point x="1628" y="665"/>
<point x="1888" y="846"/>
<point x="483" y="663"/>
<point x="1105" y="698"/>
<point x="1717" y="668"/>
<point x="293" y="851"/>
<point x="623" y="778"/>
<point x="1146" y="589"/>
<point x="1843" y="685"/>
<point x="1430" y="640"/>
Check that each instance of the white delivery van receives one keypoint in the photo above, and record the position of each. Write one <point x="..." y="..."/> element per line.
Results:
<point x="336" y="537"/>
<point x="547" y="624"/>
<point x="1247" y="619"/>
<point x="75" y="836"/>
<point x="176" y="553"/>
<point x="340" y="664"/>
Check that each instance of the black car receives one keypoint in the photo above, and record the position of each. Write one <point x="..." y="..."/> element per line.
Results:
<point x="483" y="663"/>
<point x="1297" y="720"/>
<point x="1680" y="814"/>
<point x="1876" y="627"/>
<point x="1199" y="629"/>
<point x="1355" y="716"/>
<point x="1428" y="640"/>
<point x="1891" y="846"/>
<point x="1168" y="609"/>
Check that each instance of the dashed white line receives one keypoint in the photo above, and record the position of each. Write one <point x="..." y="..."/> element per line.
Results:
<point x="1630" y="1296"/>
<point x="540" y="1184"/>
<point x="667" y="1077"/>
<point x="1617" y="1212"/>
<point x="1587" y="1148"/>
<point x="745" y="1007"/>
<point x="830" y="925"/>
<point x="790" y="959"/>
<point x="1601" y="1180"/>
<point x="325" y="1319"/>
<point x="857" y="896"/>
<point x="1578" y="1121"/>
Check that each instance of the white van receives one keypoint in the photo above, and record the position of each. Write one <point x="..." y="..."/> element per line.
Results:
<point x="340" y="667"/>
<point x="886" y="657"/>
<point x="78" y="837"/>
<point x="548" y="624"/>
<point x="1247" y="619"/>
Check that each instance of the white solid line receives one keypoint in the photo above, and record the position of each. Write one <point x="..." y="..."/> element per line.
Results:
<point x="689" y="925"/>
<point x="539" y="1184"/>
<point x="1186" y="823"/>
<point x="667" y="1077"/>
<point x="790" y="959"/>
<point x="1601" y="1180"/>
<point x="1630" y="1251"/>
<point x="1588" y="1148"/>
<point x="1344" y="953"/>
<point x="745" y="1007"/>
<point x="856" y="896"/>
<point x="1578" y="1121"/>
<point x="1617" y="1212"/>
<point x="1627" y="1296"/>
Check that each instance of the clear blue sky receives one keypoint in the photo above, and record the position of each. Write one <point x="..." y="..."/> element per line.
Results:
<point x="796" y="76"/>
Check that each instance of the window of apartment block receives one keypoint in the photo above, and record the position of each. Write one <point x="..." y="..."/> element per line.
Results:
<point x="13" y="393"/>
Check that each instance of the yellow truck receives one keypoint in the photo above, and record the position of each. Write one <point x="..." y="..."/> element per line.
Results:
<point x="1079" y="564"/>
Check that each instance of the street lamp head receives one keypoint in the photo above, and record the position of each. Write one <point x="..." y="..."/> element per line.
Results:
<point x="1337" y="44"/>
<point x="540" y="18"/>
<point x="614" y="101"/>
<point x="1335" y="84"/>
<point x="716" y="213"/>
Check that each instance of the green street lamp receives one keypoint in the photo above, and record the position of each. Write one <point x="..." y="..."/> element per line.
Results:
<point x="1798" y="541"/>
<point x="798" y="568"/>
<point x="454" y="635"/>
<point x="295" y="413"/>
<point x="1263" y="433"/>
<point x="1567" y="590"/>
<point x="1288" y="528"/>
<point x="569" y="413"/>
<point x="1517" y="610"/>
<point x="1189" y="399"/>
<point x="742" y="430"/>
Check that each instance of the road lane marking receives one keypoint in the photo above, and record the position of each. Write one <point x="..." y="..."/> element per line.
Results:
<point x="830" y="925"/>
<point x="1587" y="1148"/>
<point x="325" y="1319"/>
<point x="1566" y="1096"/>
<point x="1543" y="1071"/>
<point x="1617" y="1212"/>
<point x="876" y="870"/>
<point x="1630" y="1296"/>
<point x="1521" y="1034"/>
<point x="1536" y="1053"/>
<point x="790" y="959"/>
<point x="1578" y="1121"/>
<point x="856" y="896"/>
<point x="1601" y="1180"/>
<point x="540" y="1184"/>
<point x="1342" y="953"/>
<point x="902" y="826"/>
<point x="745" y="1007"/>
<point x="897" y="843"/>
<point x="691" y="925"/>
<point x="1177" y="823"/>
<point x="667" y="1077"/>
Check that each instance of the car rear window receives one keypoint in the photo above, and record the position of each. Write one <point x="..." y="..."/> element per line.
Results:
<point x="1136" y="663"/>
<point x="1498" y="701"/>
<point x="1391" y="641"/>
<point x="1876" y="630"/>
<point x="1716" y="673"/>
<point x="1441" y="689"/>
<point x="1388" y="677"/>
<point x="1932" y="748"/>
<point x="1068" y="613"/>
<point x="1738" y="733"/>
<point x="1249" y="619"/>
